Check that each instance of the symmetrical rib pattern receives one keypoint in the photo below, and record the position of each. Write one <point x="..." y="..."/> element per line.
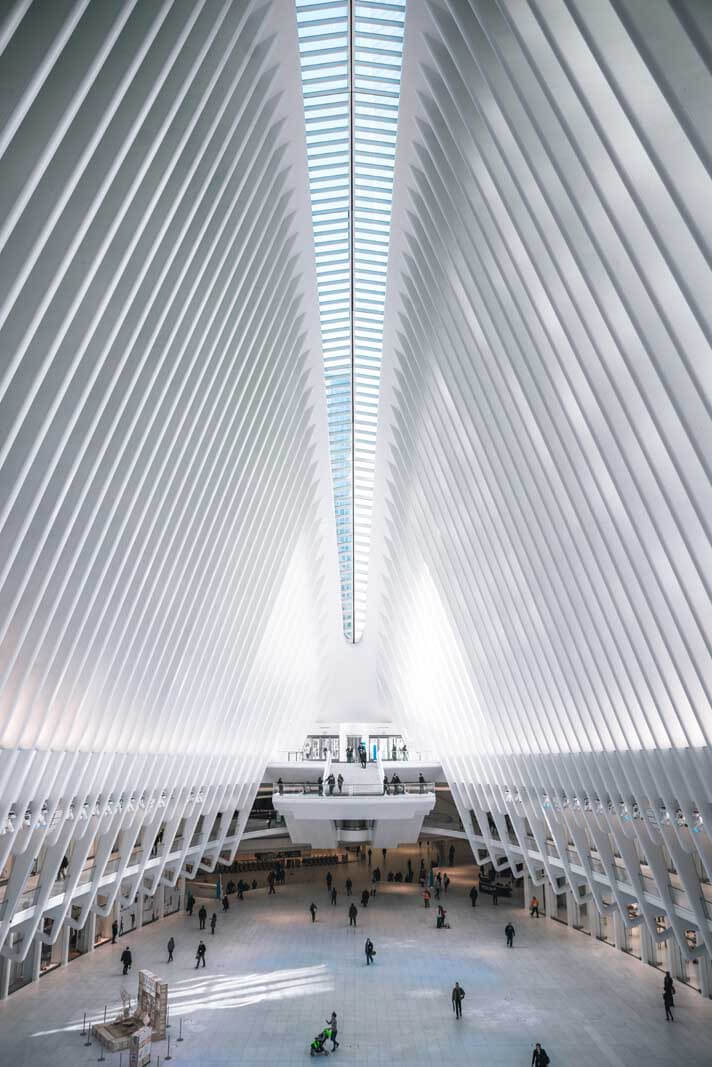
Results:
<point x="546" y="612"/>
<point x="351" y="53"/>
<point x="165" y="586"/>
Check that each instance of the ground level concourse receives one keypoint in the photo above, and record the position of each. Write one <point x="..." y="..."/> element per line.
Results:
<point x="272" y="977"/>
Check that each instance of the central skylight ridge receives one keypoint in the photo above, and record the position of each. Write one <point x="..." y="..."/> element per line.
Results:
<point x="351" y="55"/>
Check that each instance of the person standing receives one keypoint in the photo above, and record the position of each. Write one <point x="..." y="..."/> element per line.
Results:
<point x="451" y="854"/>
<point x="495" y="894"/>
<point x="126" y="959"/>
<point x="369" y="857"/>
<point x="114" y="931"/>
<point x="668" y="997"/>
<point x="171" y="947"/>
<point x="458" y="995"/>
<point x="340" y="782"/>
<point x="426" y="898"/>
<point x="225" y="902"/>
<point x="446" y="883"/>
<point x="191" y="904"/>
<point x="539" y="1056"/>
<point x="213" y="923"/>
<point x="349" y="887"/>
<point x="421" y="782"/>
<point x="331" y="781"/>
<point x="386" y="788"/>
<point x="202" y="916"/>
<point x="364" y="898"/>
<point x="312" y="909"/>
<point x="270" y="882"/>
<point x="534" y="907"/>
<point x="333" y="895"/>
<point x="329" y="880"/>
<point x="280" y="786"/>
<point x="353" y="912"/>
<point x="509" y="931"/>
<point x="405" y="752"/>
<point x="473" y="896"/>
<point x="370" y="951"/>
<point x="200" y="955"/>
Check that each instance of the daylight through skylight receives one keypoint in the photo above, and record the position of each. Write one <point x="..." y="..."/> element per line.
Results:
<point x="351" y="55"/>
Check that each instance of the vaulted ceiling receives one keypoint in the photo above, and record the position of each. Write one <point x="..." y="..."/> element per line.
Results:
<point x="503" y="484"/>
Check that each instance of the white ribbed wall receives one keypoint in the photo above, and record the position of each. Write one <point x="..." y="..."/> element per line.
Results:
<point x="545" y="618"/>
<point x="168" y="574"/>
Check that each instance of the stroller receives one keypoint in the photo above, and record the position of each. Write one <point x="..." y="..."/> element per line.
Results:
<point x="317" y="1046"/>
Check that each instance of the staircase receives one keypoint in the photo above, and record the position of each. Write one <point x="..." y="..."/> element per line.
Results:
<point x="368" y="782"/>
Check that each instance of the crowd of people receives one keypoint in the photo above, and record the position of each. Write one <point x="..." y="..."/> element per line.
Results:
<point x="432" y="881"/>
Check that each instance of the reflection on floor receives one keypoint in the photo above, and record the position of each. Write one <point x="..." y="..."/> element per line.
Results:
<point x="272" y="977"/>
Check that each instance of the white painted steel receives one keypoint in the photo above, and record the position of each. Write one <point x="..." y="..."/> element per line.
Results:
<point x="168" y="578"/>
<point x="542" y="551"/>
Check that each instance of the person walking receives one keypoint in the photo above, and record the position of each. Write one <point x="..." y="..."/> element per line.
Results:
<point x="225" y="902"/>
<point x="426" y="898"/>
<point x="202" y="916"/>
<point x="369" y="857"/>
<point x="200" y="955"/>
<point x="126" y="959"/>
<point x="421" y="782"/>
<point x="668" y="997"/>
<point x="191" y="904"/>
<point x="312" y="909"/>
<point x="340" y="782"/>
<point x="213" y="923"/>
<point x="349" y="887"/>
<point x="473" y="896"/>
<point x="280" y="786"/>
<point x="329" y="880"/>
<point x="386" y="787"/>
<point x="331" y="782"/>
<point x="509" y="931"/>
<point x="171" y="948"/>
<point x="114" y="931"/>
<point x="370" y="951"/>
<point x="446" y="884"/>
<point x="451" y="854"/>
<point x="534" y="907"/>
<point x="539" y="1056"/>
<point x="364" y="898"/>
<point x="405" y="752"/>
<point x="458" y="995"/>
<point x="353" y="912"/>
<point x="270" y="882"/>
<point x="495" y="894"/>
<point x="332" y="1031"/>
<point x="333" y="895"/>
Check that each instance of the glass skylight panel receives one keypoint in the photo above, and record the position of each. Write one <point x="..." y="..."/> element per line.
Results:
<point x="351" y="216"/>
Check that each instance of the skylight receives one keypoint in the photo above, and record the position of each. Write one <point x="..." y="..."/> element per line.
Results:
<point x="351" y="53"/>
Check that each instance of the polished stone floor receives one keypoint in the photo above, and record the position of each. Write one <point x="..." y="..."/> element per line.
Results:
<point x="272" y="978"/>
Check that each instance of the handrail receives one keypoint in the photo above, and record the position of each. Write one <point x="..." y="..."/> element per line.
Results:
<point x="312" y="789"/>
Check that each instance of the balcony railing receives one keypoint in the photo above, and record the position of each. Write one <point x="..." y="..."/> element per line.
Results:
<point x="312" y="789"/>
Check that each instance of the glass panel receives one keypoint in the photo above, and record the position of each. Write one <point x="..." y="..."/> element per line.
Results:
<point x="351" y="213"/>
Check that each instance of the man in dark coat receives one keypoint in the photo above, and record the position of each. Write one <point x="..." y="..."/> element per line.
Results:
<point x="509" y="931"/>
<point x="458" y="995"/>
<point x="126" y="959"/>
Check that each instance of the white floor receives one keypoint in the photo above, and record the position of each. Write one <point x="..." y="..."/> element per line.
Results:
<point x="272" y="978"/>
